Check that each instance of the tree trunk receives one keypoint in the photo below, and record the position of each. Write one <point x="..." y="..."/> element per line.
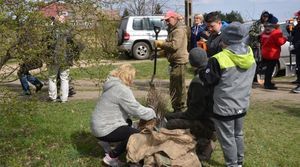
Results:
<point x="4" y="59"/>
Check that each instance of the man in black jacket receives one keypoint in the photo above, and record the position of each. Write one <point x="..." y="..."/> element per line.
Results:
<point x="214" y="26"/>
<point x="296" y="42"/>
<point x="199" y="108"/>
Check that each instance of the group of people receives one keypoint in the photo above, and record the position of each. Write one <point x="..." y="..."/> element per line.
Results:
<point x="217" y="99"/>
<point x="266" y="39"/>
<point x="62" y="50"/>
<point x="219" y="94"/>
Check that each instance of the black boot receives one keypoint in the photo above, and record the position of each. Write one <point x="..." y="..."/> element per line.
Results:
<point x="38" y="85"/>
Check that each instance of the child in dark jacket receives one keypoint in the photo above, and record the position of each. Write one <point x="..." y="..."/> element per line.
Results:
<point x="197" y="116"/>
<point x="271" y="40"/>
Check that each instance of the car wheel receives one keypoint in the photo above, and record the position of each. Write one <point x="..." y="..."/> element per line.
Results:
<point x="141" y="51"/>
<point x="276" y="69"/>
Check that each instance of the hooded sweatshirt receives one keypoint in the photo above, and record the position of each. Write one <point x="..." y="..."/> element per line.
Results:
<point x="115" y="105"/>
<point x="231" y="73"/>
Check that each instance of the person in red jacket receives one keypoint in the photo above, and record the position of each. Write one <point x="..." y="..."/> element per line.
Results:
<point x="271" y="40"/>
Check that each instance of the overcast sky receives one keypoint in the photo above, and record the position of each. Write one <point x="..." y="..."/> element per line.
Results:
<point x="249" y="9"/>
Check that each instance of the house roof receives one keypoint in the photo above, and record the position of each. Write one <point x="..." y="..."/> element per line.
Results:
<point x="53" y="9"/>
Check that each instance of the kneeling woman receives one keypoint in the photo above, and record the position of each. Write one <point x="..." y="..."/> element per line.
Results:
<point x="117" y="102"/>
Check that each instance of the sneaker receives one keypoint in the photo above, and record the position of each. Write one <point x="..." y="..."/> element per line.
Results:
<point x="38" y="87"/>
<point x="260" y="79"/>
<point x="297" y="89"/>
<point x="271" y="87"/>
<point x="26" y="93"/>
<point x="51" y="100"/>
<point x="71" y="92"/>
<point x="114" y="162"/>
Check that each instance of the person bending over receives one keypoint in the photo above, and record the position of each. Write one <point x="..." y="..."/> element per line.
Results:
<point x="116" y="104"/>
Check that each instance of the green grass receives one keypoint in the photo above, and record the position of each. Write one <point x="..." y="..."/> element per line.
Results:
<point x="99" y="72"/>
<point x="47" y="134"/>
<point x="144" y="71"/>
<point x="35" y="133"/>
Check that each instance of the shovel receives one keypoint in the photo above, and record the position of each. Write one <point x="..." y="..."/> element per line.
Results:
<point x="156" y="31"/>
<point x="153" y="94"/>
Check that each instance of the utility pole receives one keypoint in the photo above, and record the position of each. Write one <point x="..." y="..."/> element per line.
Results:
<point x="188" y="12"/>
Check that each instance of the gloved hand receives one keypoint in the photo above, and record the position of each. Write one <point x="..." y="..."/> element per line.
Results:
<point x="158" y="43"/>
<point x="161" y="53"/>
<point x="291" y="47"/>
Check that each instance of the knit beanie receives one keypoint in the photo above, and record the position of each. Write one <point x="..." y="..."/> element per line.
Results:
<point x="233" y="33"/>
<point x="272" y="22"/>
<point x="198" y="58"/>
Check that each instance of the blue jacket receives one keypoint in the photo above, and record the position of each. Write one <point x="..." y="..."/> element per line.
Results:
<point x="196" y="33"/>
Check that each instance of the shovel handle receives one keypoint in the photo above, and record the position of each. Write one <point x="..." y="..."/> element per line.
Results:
<point x="156" y="31"/>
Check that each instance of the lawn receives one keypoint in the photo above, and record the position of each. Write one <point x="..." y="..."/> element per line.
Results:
<point x="35" y="133"/>
<point x="144" y="70"/>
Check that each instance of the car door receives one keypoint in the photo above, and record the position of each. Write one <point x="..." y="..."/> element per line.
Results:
<point x="139" y="28"/>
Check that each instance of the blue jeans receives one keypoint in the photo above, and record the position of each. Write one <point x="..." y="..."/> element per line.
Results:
<point x="27" y="77"/>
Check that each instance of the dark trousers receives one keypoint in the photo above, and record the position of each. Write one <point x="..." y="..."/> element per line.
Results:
<point x="199" y="128"/>
<point x="177" y="87"/>
<point x="298" y="64"/>
<point x="257" y="54"/>
<point x="203" y="130"/>
<point x="121" y="135"/>
<point x="269" y="66"/>
<point x="257" y="57"/>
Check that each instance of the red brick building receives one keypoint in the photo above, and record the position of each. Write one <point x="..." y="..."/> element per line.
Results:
<point x="77" y="17"/>
<point x="54" y="9"/>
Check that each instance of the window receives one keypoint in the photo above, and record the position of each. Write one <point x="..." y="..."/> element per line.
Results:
<point x="137" y="24"/>
<point x="157" y="22"/>
<point x="123" y="24"/>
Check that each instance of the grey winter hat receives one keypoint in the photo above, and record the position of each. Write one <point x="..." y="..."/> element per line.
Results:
<point x="233" y="33"/>
<point x="198" y="58"/>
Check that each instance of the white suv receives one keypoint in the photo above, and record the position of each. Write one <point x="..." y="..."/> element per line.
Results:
<point x="136" y="35"/>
